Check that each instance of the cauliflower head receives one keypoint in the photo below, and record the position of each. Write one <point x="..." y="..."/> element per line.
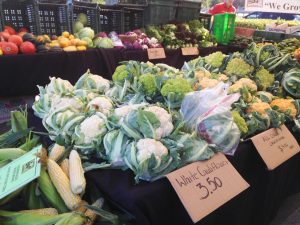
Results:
<point x="58" y="86"/>
<point x="260" y="107"/>
<point x="243" y="83"/>
<point x="238" y="67"/>
<point x="215" y="59"/>
<point x="120" y="74"/>
<point x="285" y="106"/>
<point x="166" y="126"/>
<point x="177" y="85"/>
<point x="101" y="104"/>
<point x="206" y="83"/>
<point x="148" y="83"/>
<point x="148" y="147"/>
<point x="264" y="79"/>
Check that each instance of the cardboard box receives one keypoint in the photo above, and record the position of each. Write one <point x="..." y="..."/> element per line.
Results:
<point x="286" y="30"/>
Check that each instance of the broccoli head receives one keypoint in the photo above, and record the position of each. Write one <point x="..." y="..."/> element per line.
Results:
<point x="120" y="74"/>
<point x="177" y="85"/>
<point x="264" y="79"/>
<point x="148" y="83"/>
<point x="240" y="122"/>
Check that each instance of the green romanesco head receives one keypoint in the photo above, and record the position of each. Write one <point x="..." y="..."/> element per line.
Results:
<point x="148" y="83"/>
<point x="240" y="122"/>
<point x="120" y="74"/>
<point x="264" y="79"/>
<point x="177" y="85"/>
<point x="238" y="67"/>
<point x="215" y="59"/>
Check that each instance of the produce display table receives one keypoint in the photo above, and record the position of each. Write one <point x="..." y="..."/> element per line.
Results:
<point x="20" y="74"/>
<point x="156" y="203"/>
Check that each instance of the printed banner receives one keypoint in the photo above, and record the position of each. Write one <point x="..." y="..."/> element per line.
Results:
<point x="282" y="6"/>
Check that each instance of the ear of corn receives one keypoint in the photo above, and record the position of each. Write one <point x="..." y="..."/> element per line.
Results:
<point x="10" y="153"/>
<point x="65" y="166"/>
<point x="72" y="219"/>
<point x="30" y="144"/>
<point x="76" y="173"/>
<point x="33" y="201"/>
<point x="56" y="152"/>
<point x="27" y="218"/>
<point x="43" y="212"/>
<point x="90" y="214"/>
<point x="62" y="185"/>
<point x="82" y="207"/>
<point x="50" y="193"/>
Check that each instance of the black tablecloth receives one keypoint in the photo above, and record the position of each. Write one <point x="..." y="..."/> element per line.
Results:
<point x="20" y="74"/>
<point x="156" y="203"/>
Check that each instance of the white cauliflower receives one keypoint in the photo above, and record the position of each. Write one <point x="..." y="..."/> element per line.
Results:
<point x="124" y="110"/>
<point x="92" y="127"/>
<point x="165" y="119"/>
<point x="59" y="102"/>
<point x="146" y="147"/>
<point x="59" y="86"/>
<point x="101" y="82"/>
<point x="101" y="104"/>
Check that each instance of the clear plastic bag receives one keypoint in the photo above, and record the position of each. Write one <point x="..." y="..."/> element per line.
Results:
<point x="208" y="112"/>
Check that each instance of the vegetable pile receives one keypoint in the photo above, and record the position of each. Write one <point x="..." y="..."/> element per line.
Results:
<point x="260" y="24"/>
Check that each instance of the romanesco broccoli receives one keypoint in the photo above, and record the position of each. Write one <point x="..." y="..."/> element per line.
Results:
<point x="215" y="59"/>
<point x="177" y="85"/>
<point x="238" y="67"/>
<point x="264" y="79"/>
<point x="148" y="83"/>
<point x="120" y="74"/>
<point x="240" y="122"/>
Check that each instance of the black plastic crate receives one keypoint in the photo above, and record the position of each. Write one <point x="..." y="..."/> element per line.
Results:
<point x="187" y="10"/>
<point x="111" y="19"/>
<point x="18" y="14"/>
<point x="133" y="18"/>
<point x="127" y="2"/>
<point x="160" y="12"/>
<point x="91" y="10"/>
<point x="53" y="17"/>
<point x="205" y="20"/>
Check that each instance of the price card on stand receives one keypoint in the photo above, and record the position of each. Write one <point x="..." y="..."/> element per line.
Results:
<point x="19" y="172"/>
<point x="190" y="51"/>
<point x="156" y="53"/>
<point x="276" y="146"/>
<point x="206" y="185"/>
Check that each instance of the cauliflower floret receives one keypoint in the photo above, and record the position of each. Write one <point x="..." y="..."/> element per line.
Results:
<point x="259" y="107"/>
<point x="285" y="106"/>
<point x="100" y="104"/>
<point x="92" y="127"/>
<point x="240" y="122"/>
<point x="243" y="82"/>
<point x="165" y="119"/>
<point x="101" y="83"/>
<point x="200" y="74"/>
<point x="222" y="77"/>
<point x="146" y="147"/>
<point x="126" y="109"/>
<point x="59" y="102"/>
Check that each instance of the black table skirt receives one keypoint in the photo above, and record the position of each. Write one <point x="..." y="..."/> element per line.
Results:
<point x="156" y="203"/>
<point x="20" y="74"/>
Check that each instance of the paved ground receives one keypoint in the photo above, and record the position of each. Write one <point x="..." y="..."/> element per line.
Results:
<point x="289" y="213"/>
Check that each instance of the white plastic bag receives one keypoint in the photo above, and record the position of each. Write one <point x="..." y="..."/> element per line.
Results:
<point x="208" y="112"/>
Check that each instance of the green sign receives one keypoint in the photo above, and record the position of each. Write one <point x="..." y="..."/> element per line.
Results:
<point x="19" y="172"/>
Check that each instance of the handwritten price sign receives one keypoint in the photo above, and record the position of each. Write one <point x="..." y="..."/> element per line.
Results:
<point x="275" y="146"/>
<point x="205" y="186"/>
<point x="156" y="53"/>
<point x="190" y="51"/>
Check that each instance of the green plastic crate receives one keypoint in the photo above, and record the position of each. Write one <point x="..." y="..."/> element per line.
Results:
<point x="224" y="27"/>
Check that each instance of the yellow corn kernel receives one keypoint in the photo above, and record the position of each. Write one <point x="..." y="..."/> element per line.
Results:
<point x="62" y="185"/>
<point x="56" y="152"/>
<point x="43" y="212"/>
<point x="76" y="173"/>
<point x="65" y="167"/>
